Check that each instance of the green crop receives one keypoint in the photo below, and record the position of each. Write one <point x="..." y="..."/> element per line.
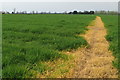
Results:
<point x="32" y="39"/>
<point x="111" y="23"/>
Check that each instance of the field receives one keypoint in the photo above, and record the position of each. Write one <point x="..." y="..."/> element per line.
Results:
<point x="111" y="23"/>
<point x="29" y="40"/>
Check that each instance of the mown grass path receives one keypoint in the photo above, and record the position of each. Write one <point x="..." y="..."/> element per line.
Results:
<point x="95" y="61"/>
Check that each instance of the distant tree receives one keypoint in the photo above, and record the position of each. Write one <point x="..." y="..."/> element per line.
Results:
<point x="86" y="12"/>
<point x="14" y="10"/>
<point x="79" y="12"/>
<point x="49" y="12"/>
<point x="106" y="12"/>
<point x="17" y="12"/>
<point x="101" y="12"/>
<point x="92" y="12"/>
<point x="33" y="12"/>
<point x="25" y="12"/>
<point x="65" y="12"/>
<point x="75" y="12"/>
<point x="70" y="13"/>
<point x="2" y="12"/>
<point x="7" y="13"/>
<point x="36" y="12"/>
<point x="13" y="13"/>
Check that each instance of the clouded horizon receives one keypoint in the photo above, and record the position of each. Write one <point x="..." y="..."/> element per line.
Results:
<point x="59" y="6"/>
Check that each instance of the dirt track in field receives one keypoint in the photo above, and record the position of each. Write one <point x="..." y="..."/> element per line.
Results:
<point x="95" y="61"/>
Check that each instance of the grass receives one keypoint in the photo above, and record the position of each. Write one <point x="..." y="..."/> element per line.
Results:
<point x="111" y="23"/>
<point x="30" y="40"/>
<point x="0" y="45"/>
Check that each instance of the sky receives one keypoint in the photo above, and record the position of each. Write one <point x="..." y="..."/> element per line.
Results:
<point x="59" y="0"/>
<point x="59" y="6"/>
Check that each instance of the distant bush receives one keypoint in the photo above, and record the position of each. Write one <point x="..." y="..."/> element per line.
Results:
<point x="85" y="12"/>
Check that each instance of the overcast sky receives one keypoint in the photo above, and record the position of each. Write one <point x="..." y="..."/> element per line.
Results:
<point x="59" y="0"/>
<point x="59" y="6"/>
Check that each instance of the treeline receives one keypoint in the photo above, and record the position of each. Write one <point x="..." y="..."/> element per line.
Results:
<point x="85" y="12"/>
<point x="107" y="12"/>
<point x="36" y="12"/>
<point x="74" y="12"/>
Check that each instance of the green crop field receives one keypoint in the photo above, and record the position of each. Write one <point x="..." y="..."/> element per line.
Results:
<point x="28" y="40"/>
<point x="111" y="23"/>
<point x="36" y="38"/>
